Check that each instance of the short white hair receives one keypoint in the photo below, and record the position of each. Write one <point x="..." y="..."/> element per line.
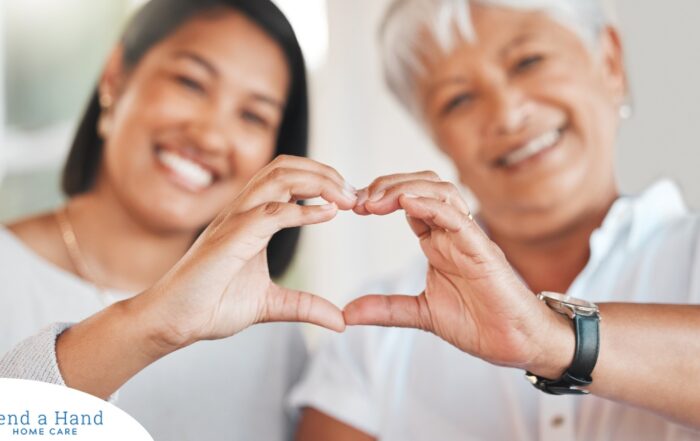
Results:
<point x="405" y="22"/>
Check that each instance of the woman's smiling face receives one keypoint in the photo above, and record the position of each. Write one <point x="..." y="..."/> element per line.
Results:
<point x="528" y="113"/>
<point x="193" y="121"/>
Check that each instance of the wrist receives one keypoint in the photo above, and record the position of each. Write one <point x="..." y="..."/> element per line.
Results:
<point x="101" y="353"/>
<point x="555" y="344"/>
<point x="157" y="335"/>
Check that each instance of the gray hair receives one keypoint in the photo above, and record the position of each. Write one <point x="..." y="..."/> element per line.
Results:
<point x="448" y="20"/>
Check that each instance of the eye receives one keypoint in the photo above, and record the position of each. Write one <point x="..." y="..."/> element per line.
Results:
<point x="190" y="83"/>
<point x="255" y="119"/>
<point x="457" y="101"/>
<point x="527" y="63"/>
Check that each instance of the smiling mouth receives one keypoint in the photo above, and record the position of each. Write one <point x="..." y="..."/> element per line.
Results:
<point x="540" y="144"/>
<point x="185" y="172"/>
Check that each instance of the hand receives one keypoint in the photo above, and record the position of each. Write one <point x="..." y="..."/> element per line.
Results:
<point x="473" y="299"/>
<point x="222" y="285"/>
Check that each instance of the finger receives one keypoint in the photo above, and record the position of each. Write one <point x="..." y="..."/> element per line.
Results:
<point x="393" y="310"/>
<point x="250" y="232"/>
<point x="467" y="234"/>
<point x="419" y="227"/>
<point x="382" y="183"/>
<point x="275" y="216"/>
<point x="247" y="234"/>
<point x="359" y="207"/>
<point x="388" y="201"/>
<point x="288" y="184"/>
<point x="288" y="305"/>
<point x="435" y="212"/>
<point x="301" y="163"/>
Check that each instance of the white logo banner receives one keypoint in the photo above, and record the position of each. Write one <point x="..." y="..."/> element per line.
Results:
<point x="31" y="410"/>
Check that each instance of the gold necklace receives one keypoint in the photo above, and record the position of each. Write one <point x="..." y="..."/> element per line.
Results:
<point x="74" y="253"/>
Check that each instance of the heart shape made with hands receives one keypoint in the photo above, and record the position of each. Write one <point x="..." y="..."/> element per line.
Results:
<point x="472" y="298"/>
<point x="434" y="209"/>
<point x="222" y="285"/>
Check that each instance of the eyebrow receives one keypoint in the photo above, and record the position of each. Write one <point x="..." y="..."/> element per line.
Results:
<point x="199" y="60"/>
<point x="514" y="43"/>
<point x="445" y="82"/>
<point x="215" y="73"/>
<point x="268" y="100"/>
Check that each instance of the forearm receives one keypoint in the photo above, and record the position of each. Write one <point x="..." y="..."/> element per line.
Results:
<point x="649" y="358"/>
<point x="318" y="426"/>
<point x="101" y="353"/>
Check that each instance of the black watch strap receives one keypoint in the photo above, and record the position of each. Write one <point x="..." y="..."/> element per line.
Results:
<point x="578" y="375"/>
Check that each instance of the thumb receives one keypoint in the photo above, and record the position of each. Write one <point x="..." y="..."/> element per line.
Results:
<point x="394" y="310"/>
<point x="288" y="305"/>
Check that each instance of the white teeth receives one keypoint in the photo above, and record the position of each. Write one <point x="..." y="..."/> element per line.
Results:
<point x="532" y="148"/>
<point x="191" y="172"/>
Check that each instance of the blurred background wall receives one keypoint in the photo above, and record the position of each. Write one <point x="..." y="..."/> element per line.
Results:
<point x="52" y="52"/>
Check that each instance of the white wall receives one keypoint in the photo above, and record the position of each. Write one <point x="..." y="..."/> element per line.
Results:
<point x="662" y="41"/>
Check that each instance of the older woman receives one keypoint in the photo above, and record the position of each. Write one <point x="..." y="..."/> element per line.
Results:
<point x="525" y="98"/>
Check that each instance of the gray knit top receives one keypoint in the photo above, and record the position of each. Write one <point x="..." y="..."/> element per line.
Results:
<point x="35" y="357"/>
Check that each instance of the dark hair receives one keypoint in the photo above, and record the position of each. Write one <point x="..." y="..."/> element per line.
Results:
<point x="155" y="22"/>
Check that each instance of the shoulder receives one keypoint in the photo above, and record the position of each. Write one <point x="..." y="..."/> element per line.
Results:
<point x="661" y="265"/>
<point x="41" y="235"/>
<point x="678" y="238"/>
<point x="679" y="242"/>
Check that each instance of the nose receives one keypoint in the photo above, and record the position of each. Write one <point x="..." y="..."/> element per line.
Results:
<point x="212" y="131"/>
<point x="510" y="111"/>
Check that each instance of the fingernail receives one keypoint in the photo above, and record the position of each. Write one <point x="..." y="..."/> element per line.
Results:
<point x="352" y="195"/>
<point x="377" y="196"/>
<point x="362" y="196"/>
<point x="349" y="187"/>
<point x="410" y="196"/>
<point x="327" y="206"/>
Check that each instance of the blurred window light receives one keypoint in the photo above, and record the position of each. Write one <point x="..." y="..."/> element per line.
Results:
<point x="51" y="52"/>
<point x="135" y="4"/>
<point x="309" y="19"/>
<point x="3" y="151"/>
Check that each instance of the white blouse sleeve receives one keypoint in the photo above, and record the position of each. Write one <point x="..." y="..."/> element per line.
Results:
<point x="35" y="357"/>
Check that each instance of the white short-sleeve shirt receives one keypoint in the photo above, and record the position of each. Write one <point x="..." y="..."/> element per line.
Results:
<point x="405" y="385"/>
<point x="232" y="389"/>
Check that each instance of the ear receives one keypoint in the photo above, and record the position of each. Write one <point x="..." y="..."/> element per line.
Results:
<point x="615" y="76"/>
<point x="109" y="89"/>
<point x="113" y="77"/>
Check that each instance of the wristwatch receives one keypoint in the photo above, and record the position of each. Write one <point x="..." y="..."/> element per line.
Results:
<point x="586" y="318"/>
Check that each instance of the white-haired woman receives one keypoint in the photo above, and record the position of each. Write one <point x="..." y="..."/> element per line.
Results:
<point x="525" y="97"/>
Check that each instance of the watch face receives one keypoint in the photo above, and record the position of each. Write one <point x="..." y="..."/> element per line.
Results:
<point x="572" y="302"/>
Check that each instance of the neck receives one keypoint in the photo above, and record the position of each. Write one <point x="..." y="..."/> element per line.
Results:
<point x="121" y="252"/>
<point x="553" y="261"/>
